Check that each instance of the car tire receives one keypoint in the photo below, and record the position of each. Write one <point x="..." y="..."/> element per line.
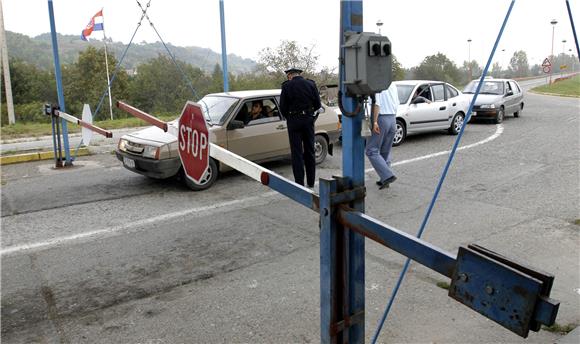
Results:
<point x="517" y="113"/>
<point x="208" y="181"/>
<point x="499" y="116"/>
<point x="320" y="148"/>
<point x="456" y="123"/>
<point x="400" y="132"/>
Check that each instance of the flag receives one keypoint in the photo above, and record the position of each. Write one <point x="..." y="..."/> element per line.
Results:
<point x="93" y="25"/>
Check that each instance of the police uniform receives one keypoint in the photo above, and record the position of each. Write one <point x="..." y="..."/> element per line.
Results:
<point x="298" y="102"/>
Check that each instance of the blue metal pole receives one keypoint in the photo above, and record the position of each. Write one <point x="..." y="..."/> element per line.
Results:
<point x="353" y="169"/>
<point x="573" y="29"/>
<point x="224" y="52"/>
<point x="59" y="89"/>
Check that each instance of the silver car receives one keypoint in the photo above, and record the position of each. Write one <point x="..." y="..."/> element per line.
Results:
<point x="427" y="105"/>
<point x="497" y="97"/>
<point x="153" y="153"/>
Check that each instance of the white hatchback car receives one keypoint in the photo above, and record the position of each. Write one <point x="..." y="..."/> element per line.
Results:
<point x="427" y="105"/>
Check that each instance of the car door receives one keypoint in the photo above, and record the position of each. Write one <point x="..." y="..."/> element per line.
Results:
<point x="510" y="98"/>
<point x="262" y="138"/>
<point x="421" y="116"/>
<point x="442" y="115"/>
<point x="454" y="101"/>
<point x="517" y="95"/>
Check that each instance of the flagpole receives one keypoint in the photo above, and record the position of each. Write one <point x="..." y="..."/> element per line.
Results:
<point x="107" y="67"/>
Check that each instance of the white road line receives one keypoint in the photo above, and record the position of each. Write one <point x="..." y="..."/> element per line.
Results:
<point x="248" y="200"/>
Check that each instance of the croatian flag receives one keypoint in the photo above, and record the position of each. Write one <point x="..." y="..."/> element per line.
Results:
<point x="93" y="25"/>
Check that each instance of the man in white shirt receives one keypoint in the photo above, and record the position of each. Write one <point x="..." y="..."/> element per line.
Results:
<point x="379" y="145"/>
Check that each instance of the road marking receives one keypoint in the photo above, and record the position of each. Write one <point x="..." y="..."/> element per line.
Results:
<point x="200" y="210"/>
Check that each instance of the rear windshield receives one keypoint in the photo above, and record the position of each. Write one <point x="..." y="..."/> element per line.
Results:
<point x="489" y="87"/>
<point x="216" y="108"/>
<point x="404" y="91"/>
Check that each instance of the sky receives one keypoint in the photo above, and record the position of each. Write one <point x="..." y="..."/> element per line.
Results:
<point x="416" y="28"/>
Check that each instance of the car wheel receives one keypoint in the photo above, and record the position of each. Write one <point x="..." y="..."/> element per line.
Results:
<point x="517" y="113"/>
<point x="400" y="132"/>
<point x="499" y="116"/>
<point x="206" y="182"/>
<point x="320" y="148"/>
<point x="456" y="124"/>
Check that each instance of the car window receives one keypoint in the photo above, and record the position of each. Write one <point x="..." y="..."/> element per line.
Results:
<point x="489" y="87"/>
<point x="259" y="111"/>
<point x="216" y="108"/>
<point x="452" y="92"/>
<point x="509" y="87"/>
<point x="404" y="91"/>
<point x="438" y="92"/>
<point x="515" y="87"/>
<point x="423" y="91"/>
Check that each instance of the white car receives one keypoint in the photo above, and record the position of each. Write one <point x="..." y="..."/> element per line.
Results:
<point x="427" y="105"/>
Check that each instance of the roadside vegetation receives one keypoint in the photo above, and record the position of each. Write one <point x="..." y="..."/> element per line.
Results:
<point x="569" y="87"/>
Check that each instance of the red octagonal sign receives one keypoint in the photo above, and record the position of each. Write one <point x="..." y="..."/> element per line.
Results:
<point x="193" y="141"/>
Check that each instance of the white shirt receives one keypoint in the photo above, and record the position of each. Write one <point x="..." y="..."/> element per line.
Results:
<point x="388" y="100"/>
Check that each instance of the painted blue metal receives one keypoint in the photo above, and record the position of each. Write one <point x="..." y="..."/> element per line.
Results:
<point x="497" y="291"/>
<point x="351" y="13"/>
<point x="328" y="238"/>
<point x="573" y="28"/>
<point x="445" y="171"/>
<point x="58" y="77"/>
<point x="295" y="192"/>
<point x="224" y="50"/>
<point x="416" y="249"/>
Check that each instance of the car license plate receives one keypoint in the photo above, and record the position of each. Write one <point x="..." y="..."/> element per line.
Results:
<point x="129" y="162"/>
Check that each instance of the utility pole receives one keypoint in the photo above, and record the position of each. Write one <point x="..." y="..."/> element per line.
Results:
<point x="224" y="50"/>
<point x="553" y="22"/>
<point x="7" y="82"/>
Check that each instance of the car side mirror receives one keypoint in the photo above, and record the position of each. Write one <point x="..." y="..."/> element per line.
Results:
<point x="235" y="124"/>
<point x="418" y="100"/>
<point x="509" y="93"/>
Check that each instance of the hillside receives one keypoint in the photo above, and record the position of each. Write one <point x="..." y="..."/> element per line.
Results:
<point x="38" y="51"/>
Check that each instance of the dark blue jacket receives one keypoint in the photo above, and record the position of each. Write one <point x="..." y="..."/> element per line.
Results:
<point x="299" y="95"/>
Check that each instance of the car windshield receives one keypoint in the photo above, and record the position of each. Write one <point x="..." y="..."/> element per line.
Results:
<point x="215" y="108"/>
<point x="489" y="87"/>
<point x="404" y="92"/>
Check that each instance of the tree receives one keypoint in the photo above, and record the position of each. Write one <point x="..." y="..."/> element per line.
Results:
<point x="471" y="70"/>
<point x="398" y="71"/>
<point x="519" y="66"/>
<point x="438" y="67"/>
<point x="31" y="84"/>
<point x="496" y="70"/>
<point x="85" y="81"/>
<point x="288" y="54"/>
<point x="161" y="87"/>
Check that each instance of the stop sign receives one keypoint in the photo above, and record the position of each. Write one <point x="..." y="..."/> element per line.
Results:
<point x="193" y="141"/>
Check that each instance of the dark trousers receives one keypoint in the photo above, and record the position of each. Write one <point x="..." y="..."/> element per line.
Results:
<point x="301" y="135"/>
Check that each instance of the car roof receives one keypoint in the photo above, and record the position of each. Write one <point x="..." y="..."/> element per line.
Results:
<point x="416" y="82"/>
<point x="494" y="79"/>
<point x="247" y="94"/>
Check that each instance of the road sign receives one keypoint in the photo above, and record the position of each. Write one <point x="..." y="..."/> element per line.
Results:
<point x="546" y="63"/>
<point x="563" y="66"/>
<point x="546" y="69"/>
<point x="193" y="141"/>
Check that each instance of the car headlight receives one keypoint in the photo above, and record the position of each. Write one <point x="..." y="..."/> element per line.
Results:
<point x="487" y="106"/>
<point x="151" y="152"/>
<point x="122" y="145"/>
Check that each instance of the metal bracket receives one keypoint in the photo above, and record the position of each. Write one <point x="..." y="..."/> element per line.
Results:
<point x="509" y="293"/>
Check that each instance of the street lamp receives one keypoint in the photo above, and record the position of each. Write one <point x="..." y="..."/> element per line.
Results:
<point x="553" y="22"/>
<point x="469" y="59"/>
<point x="563" y="57"/>
<point x="379" y="24"/>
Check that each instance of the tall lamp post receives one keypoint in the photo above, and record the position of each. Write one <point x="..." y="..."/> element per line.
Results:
<point x="553" y="22"/>
<point x="563" y="57"/>
<point x="469" y="59"/>
<point x="379" y="24"/>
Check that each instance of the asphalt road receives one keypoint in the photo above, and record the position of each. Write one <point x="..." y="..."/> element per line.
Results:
<point x="97" y="254"/>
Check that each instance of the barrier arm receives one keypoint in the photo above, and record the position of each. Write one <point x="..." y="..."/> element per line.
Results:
<point x="82" y="123"/>
<point x="142" y="115"/>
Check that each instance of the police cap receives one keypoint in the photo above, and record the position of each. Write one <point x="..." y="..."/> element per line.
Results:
<point x="293" y="70"/>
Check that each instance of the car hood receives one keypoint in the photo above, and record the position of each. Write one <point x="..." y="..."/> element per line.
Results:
<point x="485" y="98"/>
<point x="157" y="137"/>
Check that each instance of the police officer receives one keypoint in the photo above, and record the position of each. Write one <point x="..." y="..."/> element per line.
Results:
<point x="299" y="101"/>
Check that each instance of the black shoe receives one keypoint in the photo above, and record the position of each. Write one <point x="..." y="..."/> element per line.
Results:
<point x="311" y="186"/>
<point x="379" y="183"/>
<point x="385" y="183"/>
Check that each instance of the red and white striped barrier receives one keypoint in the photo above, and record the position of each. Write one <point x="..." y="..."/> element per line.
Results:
<point x="82" y="123"/>
<point x="142" y="115"/>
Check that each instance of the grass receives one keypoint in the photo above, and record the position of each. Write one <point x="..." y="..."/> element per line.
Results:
<point x="557" y="328"/>
<point x="443" y="285"/>
<point x="577" y="222"/>
<point x="569" y="87"/>
<point x="19" y="130"/>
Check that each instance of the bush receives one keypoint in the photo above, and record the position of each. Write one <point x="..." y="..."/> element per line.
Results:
<point x="26" y="113"/>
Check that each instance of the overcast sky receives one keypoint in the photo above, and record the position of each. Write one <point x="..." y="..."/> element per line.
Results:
<point x="416" y="28"/>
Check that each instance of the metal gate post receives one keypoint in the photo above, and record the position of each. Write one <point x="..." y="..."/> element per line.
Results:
<point x="343" y="304"/>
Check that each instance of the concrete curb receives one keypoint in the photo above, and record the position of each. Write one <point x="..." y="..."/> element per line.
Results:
<point x="553" y="94"/>
<point x="34" y="156"/>
<point x="572" y="337"/>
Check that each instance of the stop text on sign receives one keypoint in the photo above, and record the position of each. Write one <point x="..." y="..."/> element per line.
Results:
<point x="192" y="141"/>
